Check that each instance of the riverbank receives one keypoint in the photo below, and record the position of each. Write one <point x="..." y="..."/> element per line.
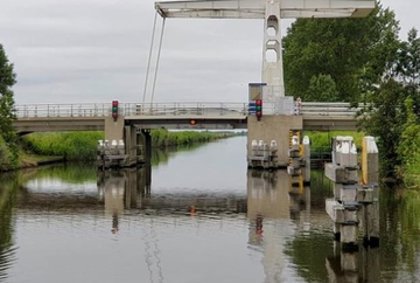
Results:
<point x="81" y="146"/>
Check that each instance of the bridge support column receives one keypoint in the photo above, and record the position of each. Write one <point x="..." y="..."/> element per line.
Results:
<point x="147" y="145"/>
<point x="121" y="145"/>
<point x="131" y="146"/>
<point x="114" y="130"/>
<point x="272" y="128"/>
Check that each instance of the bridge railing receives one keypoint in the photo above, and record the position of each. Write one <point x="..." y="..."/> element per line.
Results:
<point x="328" y="109"/>
<point x="62" y="110"/>
<point x="129" y="109"/>
<point x="186" y="109"/>
<point x="91" y="110"/>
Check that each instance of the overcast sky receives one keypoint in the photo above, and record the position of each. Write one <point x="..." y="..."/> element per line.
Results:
<point x="72" y="51"/>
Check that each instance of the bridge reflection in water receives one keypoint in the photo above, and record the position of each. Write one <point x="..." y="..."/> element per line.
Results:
<point x="278" y="214"/>
<point x="286" y="225"/>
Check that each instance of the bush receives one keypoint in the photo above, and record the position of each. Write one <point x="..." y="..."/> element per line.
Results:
<point x="7" y="159"/>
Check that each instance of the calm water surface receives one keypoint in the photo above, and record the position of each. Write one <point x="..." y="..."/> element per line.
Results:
<point x="196" y="216"/>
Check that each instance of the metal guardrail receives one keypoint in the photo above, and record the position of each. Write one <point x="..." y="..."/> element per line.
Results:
<point x="94" y="110"/>
<point x="328" y="109"/>
<point x="62" y="110"/>
<point x="129" y="109"/>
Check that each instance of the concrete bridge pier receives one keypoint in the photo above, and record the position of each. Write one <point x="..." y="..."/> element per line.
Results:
<point x="124" y="145"/>
<point x="145" y="143"/>
<point x="132" y="149"/>
<point x="271" y="119"/>
<point x="272" y="128"/>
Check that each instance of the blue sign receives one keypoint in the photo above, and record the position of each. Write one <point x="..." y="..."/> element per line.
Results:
<point x="252" y="107"/>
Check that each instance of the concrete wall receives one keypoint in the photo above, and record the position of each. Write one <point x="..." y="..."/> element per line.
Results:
<point x="114" y="130"/>
<point x="274" y="128"/>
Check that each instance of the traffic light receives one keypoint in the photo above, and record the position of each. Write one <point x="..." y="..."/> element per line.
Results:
<point x="258" y="109"/>
<point x="114" y="111"/>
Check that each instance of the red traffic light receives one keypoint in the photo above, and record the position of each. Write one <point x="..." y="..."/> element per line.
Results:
<point x="258" y="102"/>
<point x="114" y="109"/>
<point x="193" y="122"/>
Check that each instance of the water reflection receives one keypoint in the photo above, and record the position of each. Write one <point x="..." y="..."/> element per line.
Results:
<point x="361" y="266"/>
<point x="123" y="189"/>
<point x="220" y="225"/>
<point x="131" y="189"/>
<point x="272" y="205"/>
<point x="7" y="202"/>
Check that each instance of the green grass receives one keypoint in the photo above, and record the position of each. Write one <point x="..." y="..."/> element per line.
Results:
<point x="78" y="146"/>
<point x="163" y="138"/>
<point x="72" y="146"/>
<point x="323" y="139"/>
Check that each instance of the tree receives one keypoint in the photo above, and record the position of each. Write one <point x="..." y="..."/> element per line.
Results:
<point x="393" y="110"/>
<point x="409" y="147"/>
<point x="322" y="88"/>
<point x="384" y="119"/>
<point x="7" y="80"/>
<point x="408" y="67"/>
<point x="350" y="51"/>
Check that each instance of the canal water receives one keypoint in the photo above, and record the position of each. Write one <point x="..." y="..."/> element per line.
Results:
<point x="197" y="215"/>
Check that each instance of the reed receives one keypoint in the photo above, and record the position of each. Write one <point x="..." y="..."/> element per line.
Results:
<point x="82" y="145"/>
<point x="72" y="146"/>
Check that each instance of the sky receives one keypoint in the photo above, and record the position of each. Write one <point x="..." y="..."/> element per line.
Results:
<point x="87" y="51"/>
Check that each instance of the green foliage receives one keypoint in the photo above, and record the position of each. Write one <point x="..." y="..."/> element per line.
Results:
<point x="7" y="158"/>
<point x="163" y="138"/>
<point x="73" y="146"/>
<point x="7" y="80"/>
<point x="393" y="112"/>
<point x="348" y="53"/>
<point x="82" y="145"/>
<point x="385" y="119"/>
<point x="409" y="146"/>
<point x="323" y="139"/>
<point x="408" y="65"/>
<point x="322" y="88"/>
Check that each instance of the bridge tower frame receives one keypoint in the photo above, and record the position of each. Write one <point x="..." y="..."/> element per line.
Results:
<point x="267" y="129"/>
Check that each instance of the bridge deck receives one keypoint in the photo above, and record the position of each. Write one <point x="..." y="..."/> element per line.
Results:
<point x="90" y="117"/>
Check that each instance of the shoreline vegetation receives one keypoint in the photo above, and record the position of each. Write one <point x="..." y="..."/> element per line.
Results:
<point x="44" y="148"/>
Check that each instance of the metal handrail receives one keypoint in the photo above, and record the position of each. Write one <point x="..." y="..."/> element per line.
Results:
<point x="91" y="110"/>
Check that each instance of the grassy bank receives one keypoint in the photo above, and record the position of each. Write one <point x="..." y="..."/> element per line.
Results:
<point x="82" y="145"/>
<point x="71" y="146"/>
<point x="163" y="138"/>
<point x="322" y="140"/>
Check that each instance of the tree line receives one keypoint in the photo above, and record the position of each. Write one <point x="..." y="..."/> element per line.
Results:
<point x="364" y="62"/>
<point x="8" y="147"/>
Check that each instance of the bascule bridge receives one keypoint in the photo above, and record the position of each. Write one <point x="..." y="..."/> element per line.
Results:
<point x="279" y="116"/>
